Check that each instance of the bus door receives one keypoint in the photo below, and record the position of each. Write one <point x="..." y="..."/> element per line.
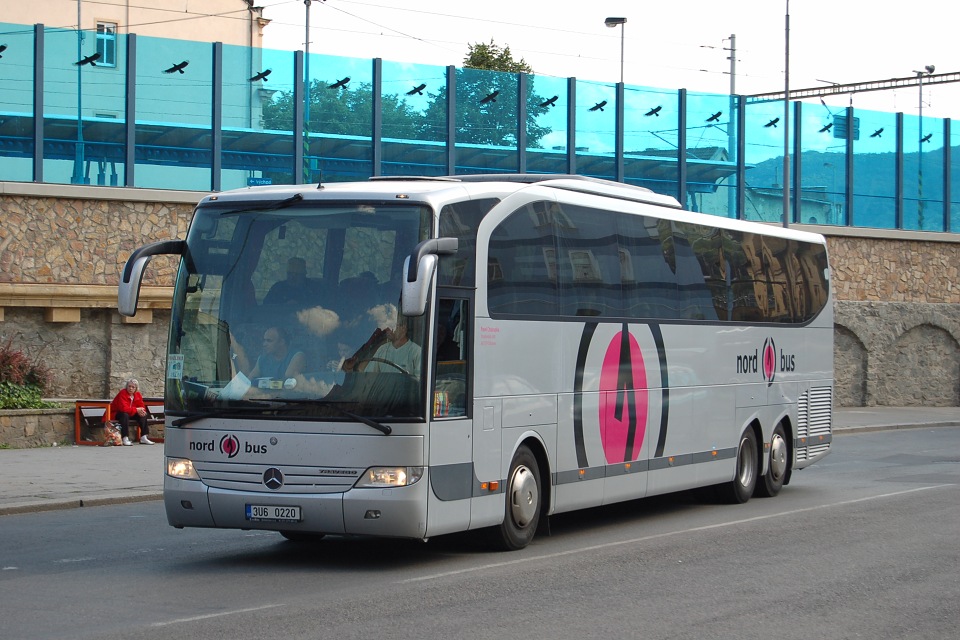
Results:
<point x="452" y="475"/>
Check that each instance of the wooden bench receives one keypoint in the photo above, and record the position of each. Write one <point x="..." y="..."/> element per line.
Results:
<point x="89" y="416"/>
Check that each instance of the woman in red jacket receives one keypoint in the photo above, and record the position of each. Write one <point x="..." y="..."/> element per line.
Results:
<point x="129" y="404"/>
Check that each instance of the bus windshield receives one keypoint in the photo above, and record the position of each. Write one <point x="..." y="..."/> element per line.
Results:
<point x="296" y="310"/>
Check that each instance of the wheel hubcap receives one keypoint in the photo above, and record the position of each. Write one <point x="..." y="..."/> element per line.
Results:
<point x="778" y="457"/>
<point x="524" y="496"/>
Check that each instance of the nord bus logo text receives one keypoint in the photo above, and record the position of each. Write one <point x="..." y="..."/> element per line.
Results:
<point x="769" y="363"/>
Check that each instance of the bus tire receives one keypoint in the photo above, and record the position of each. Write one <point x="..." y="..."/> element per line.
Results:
<point x="739" y="490"/>
<point x="778" y="465"/>
<point x="523" y="503"/>
<point x="301" y="536"/>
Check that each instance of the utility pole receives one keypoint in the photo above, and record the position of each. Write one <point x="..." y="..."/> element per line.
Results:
<point x="79" y="154"/>
<point x="786" y="124"/>
<point x="306" y="97"/>
<point x="732" y="125"/>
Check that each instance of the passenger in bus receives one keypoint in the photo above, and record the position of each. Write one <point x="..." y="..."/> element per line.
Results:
<point x="357" y="295"/>
<point x="295" y="289"/>
<point x="277" y="361"/>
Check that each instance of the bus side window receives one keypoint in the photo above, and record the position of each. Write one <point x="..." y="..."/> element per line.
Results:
<point x="451" y="349"/>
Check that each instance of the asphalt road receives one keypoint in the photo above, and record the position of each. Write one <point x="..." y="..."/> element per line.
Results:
<point x="861" y="545"/>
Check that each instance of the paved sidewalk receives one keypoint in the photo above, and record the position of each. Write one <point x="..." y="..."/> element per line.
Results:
<point x="77" y="476"/>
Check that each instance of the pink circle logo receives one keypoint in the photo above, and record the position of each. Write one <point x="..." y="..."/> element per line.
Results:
<point x="230" y="445"/>
<point x="623" y="399"/>
<point x="769" y="360"/>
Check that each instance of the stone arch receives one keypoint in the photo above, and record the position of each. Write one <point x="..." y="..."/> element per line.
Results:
<point x="850" y="360"/>
<point x="920" y="368"/>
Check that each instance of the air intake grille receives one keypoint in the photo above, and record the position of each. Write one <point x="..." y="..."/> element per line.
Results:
<point x="814" y="422"/>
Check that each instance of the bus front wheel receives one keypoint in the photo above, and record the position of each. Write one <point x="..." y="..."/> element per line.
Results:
<point x="522" y="512"/>
<point x="301" y="536"/>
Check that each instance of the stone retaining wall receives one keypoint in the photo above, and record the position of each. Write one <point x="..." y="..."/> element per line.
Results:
<point x="24" y="428"/>
<point x="897" y="299"/>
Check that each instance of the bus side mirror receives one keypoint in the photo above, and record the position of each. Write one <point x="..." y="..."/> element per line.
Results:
<point x="413" y="296"/>
<point x="128" y="293"/>
<point x="418" y="270"/>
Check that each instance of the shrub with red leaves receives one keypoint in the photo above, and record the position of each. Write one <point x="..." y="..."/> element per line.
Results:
<point x="17" y="368"/>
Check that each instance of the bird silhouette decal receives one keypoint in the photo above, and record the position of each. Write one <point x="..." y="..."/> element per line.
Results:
<point x="772" y="123"/>
<point x="826" y="127"/>
<point x="599" y="106"/>
<point x="655" y="111"/>
<point x="876" y="134"/>
<point x="262" y="75"/>
<point x="178" y="68"/>
<point x="417" y="90"/>
<point x="715" y="117"/>
<point x="491" y="98"/>
<point x="926" y="138"/>
<point x="339" y="84"/>
<point x="552" y="102"/>
<point x="3" y="48"/>
<point x="90" y="60"/>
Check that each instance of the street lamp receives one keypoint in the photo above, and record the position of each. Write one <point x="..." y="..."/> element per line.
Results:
<point x="613" y="22"/>
<point x="927" y="71"/>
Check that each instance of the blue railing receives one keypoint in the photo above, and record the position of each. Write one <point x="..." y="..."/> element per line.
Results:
<point x="174" y="114"/>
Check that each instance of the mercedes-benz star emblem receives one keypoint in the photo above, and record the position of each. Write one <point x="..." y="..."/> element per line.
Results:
<point x="273" y="478"/>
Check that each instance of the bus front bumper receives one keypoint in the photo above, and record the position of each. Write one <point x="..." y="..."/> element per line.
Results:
<point x="386" y="512"/>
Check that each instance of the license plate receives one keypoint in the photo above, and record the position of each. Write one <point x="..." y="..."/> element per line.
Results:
<point x="272" y="513"/>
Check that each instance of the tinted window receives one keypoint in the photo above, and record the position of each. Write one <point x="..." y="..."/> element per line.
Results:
<point x="648" y="268"/>
<point x="551" y="259"/>
<point x="588" y="263"/>
<point x="522" y="263"/>
<point x="461" y="220"/>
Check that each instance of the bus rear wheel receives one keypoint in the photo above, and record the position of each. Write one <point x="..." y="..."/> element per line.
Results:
<point x="778" y="465"/>
<point x="522" y="511"/>
<point x="739" y="490"/>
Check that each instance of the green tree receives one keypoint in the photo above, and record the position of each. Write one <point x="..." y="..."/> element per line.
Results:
<point x="492" y="58"/>
<point x="486" y="91"/>
<point x="344" y="111"/>
<point x="486" y="105"/>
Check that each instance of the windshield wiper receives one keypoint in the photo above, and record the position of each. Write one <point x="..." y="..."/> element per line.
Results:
<point x="385" y="429"/>
<point x="218" y="413"/>
<point x="273" y="206"/>
<point x="279" y="407"/>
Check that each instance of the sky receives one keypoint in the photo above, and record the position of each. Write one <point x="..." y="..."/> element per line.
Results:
<point x="666" y="44"/>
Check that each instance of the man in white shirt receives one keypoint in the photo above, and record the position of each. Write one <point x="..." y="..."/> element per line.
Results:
<point x="399" y="351"/>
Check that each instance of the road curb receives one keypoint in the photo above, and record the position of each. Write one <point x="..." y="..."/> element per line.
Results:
<point x="75" y="503"/>
<point x="891" y="427"/>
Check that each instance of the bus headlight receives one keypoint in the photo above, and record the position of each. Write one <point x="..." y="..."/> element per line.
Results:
<point x="389" y="477"/>
<point x="182" y="469"/>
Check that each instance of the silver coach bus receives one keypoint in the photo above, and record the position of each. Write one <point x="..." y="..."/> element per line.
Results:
<point x="414" y="357"/>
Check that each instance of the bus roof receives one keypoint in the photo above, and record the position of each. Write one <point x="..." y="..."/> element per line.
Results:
<point x="437" y="190"/>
